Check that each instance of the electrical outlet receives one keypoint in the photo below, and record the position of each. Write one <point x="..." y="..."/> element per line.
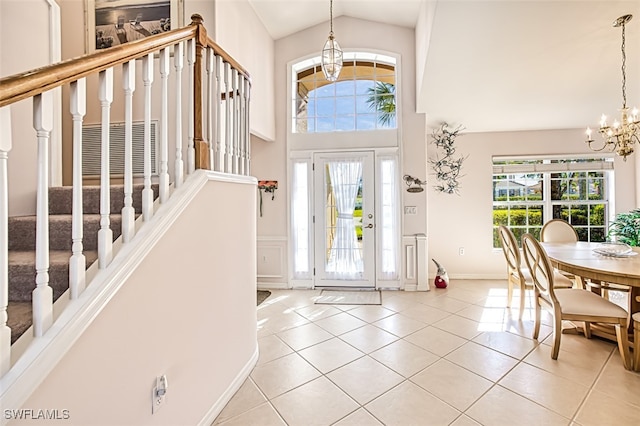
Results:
<point x="410" y="210"/>
<point x="461" y="251"/>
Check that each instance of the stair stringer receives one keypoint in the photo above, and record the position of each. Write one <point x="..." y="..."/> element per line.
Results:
<point x="42" y="354"/>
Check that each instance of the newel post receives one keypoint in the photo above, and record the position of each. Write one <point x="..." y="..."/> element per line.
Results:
<point x="200" y="144"/>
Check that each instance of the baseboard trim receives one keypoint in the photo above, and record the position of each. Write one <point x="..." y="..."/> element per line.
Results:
<point x="272" y="285"/>
<point x="235" y="385"/>
<point x="473" y="277"/>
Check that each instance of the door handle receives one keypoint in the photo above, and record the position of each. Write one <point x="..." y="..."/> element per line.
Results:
<point x="369" y="225"/>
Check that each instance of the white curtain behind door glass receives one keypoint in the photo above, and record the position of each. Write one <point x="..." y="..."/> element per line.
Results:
<point x="389" y="255"/>
<point x="300" y="219"/>
<point x="345" y="257"/>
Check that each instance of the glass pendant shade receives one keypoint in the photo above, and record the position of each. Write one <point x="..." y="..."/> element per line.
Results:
<point x="331" y="59"/>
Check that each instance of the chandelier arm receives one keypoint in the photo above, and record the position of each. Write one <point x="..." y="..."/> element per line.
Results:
<point x="604" y="146"/>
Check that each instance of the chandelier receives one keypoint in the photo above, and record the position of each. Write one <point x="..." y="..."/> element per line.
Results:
<point x="619" y="136"/>
<point x="331" y="53"/>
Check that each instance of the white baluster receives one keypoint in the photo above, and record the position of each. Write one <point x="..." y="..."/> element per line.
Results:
<point x="178" y="62"/>
<point x="242" y="124"/>
<point x="236" y="121"/>
<point x="78" y="262"/>
<point x="164" y="127"/>
<point x="147" y="192"/>
<point x="128" y="212"/>
<point x="5" y="331"/>
<point x="228" y="168"/>
<point x="218" y="107"/>
<point x="247" y="94"/>
<point x="210" y="107"/>
<point x="191" y="150"/>
<point x="43" y="294"/>
<point x="105" y="234"/>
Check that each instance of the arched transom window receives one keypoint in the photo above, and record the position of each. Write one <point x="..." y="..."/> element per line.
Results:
<point x="363" y="97"/>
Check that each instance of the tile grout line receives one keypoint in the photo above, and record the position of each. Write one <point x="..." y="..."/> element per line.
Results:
<point x="520" y="360"/>
<point x="592" y="387"/>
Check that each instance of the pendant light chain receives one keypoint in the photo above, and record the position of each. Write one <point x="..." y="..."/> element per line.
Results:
<point x="624" y="73"/>
<point x="331" y="18"/>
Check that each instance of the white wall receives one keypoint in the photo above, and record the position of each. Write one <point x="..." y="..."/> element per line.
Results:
<point x="22" y="158"/>
<point x="465" y="220"/>
<point x="269" y="160"/>
<point x="188" y="311"/>
<point x="239" y="31"/>
<point x="424" y="26"/>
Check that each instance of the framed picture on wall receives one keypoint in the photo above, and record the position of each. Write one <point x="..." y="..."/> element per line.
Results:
<point x="114" y="22"/>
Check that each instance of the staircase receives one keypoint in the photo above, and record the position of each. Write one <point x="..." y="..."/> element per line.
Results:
<point x="22" y="241"/>
<point x="206" y="158"/>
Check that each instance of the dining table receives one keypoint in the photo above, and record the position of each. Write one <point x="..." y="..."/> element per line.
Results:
<point x="585" y="261"/>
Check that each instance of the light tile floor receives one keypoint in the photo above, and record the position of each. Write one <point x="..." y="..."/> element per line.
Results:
<point x="452" y="356"/>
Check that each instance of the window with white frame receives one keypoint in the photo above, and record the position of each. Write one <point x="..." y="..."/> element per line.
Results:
<point x="531" y="191"/>
<point x="388" y="218"/>
<point x="300" y="214"/>
<point x="363" y="97"/>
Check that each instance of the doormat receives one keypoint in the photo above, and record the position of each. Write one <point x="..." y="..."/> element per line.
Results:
<point x="262" y="295"/>
<point x="342" y="297"/>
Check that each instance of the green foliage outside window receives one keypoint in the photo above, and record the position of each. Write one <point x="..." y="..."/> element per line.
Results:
<point x="382" y="100"/>
<point x="577" y="197"/>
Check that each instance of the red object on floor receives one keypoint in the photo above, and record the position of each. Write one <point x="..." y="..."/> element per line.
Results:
<point x="439" y="282"/>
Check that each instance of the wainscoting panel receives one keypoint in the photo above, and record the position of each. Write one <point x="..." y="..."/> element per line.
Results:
<point x="409" y="263"/>
<point x="416" y="262"/>
<point x="272" y="262"/>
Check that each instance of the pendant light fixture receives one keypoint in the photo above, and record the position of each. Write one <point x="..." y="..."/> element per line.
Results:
<point x="331" y="53"/>
<point x="620" y="136"/>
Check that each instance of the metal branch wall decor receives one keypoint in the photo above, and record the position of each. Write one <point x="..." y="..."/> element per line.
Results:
<point x="446" y="167"/>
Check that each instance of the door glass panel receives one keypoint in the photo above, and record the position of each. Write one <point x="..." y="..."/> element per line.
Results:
<point x="343" y="219"/>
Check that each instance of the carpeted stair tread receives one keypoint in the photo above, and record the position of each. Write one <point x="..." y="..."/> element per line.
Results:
<point x="61" y="198"/>
<point x="20" y="318"/>
<point x="22" y="238"/>
<point x="22" y="272"/>
<point x="22" y="231"/>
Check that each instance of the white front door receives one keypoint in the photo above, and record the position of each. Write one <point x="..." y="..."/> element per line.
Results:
<point x="344" y="219"/>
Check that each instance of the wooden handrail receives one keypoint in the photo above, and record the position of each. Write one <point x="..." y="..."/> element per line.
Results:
<point x="24" y="85"/>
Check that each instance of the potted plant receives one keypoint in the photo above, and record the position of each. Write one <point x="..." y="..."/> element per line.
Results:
<point x="626" y="228"/>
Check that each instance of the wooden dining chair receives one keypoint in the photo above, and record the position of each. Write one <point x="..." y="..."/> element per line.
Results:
<point x="636" y="338"/>
<point x="561" y="231"/>
<point x="518" y="275"/>
<point x="636" y="341"/>
<point x="558" y="231"/>
<point x="571" y="304"/>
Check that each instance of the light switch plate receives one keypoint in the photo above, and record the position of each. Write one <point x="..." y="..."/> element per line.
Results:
<point x="410" y="210"/>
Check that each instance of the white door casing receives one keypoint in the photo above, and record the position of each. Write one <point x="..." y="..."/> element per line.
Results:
<point x="344" y="219"/>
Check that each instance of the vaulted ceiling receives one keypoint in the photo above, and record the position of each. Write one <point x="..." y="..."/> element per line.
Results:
<point x="502" y="64"/>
